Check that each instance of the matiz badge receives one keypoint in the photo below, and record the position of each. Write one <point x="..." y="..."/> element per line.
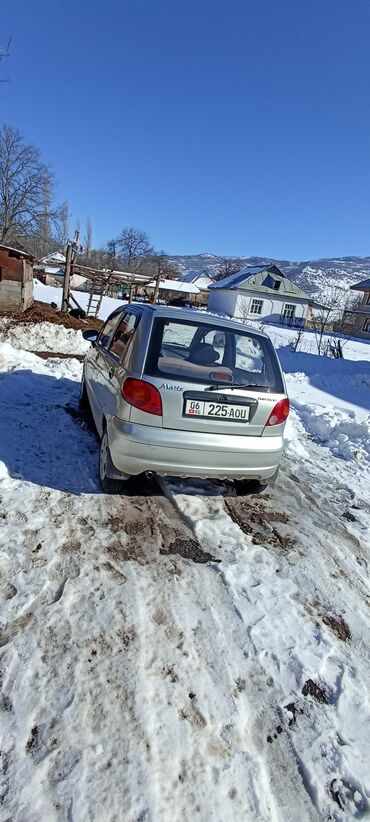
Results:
<point x="169" y="387"/>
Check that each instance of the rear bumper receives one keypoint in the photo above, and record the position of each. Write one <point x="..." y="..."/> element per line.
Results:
<point x="138" y="448"/>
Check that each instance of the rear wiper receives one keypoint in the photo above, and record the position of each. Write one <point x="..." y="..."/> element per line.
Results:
<point x="228" y="385"/>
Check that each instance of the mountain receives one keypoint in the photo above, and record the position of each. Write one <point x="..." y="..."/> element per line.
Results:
<point x="314" y="276"/>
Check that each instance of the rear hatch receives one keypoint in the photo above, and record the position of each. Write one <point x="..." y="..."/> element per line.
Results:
<point x="213" y="379"/>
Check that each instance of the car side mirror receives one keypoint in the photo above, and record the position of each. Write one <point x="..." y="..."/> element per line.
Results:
<point x="90" y="335"/>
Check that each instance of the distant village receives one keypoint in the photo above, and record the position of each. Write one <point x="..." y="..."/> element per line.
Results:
<point x="35" y="249"/>
<point x="260" y="294"/>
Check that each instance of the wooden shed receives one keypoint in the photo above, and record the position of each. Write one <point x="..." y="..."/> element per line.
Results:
<point x="16" y="279"/>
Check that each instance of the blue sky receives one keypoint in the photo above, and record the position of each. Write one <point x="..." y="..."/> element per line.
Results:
<point x="227" y="126"/>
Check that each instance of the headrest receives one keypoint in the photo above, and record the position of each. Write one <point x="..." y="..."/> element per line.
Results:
<point x="203" y="354"/>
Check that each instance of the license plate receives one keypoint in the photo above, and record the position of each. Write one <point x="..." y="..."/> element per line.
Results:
<point x="221" y="411"/>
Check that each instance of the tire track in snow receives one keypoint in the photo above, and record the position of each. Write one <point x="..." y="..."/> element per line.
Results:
<point x="283" y="545"/>
<point x="280" y="774"/>
<point x="82" y="569"/>
<point x="192" y="703"/>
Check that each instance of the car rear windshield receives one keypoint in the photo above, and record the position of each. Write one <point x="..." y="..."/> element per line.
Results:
<point x="191" y="351"/>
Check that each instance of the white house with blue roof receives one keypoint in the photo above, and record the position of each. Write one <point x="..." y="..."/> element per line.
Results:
<point x="260" y="292"/>
<point x="201" y="279"/>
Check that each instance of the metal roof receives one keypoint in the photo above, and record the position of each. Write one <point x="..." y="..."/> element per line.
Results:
<point x="193" y="276"/>
<point x="252" y="278"/>
<point x="363" y="286"/>
<point x="190" y="277"/>
<point x="55" y="255"/>
<point x="49" y="269"/>
<point x="17" y="251"/>
<point x="175" y="285"/>
<point x="233" y="280"/>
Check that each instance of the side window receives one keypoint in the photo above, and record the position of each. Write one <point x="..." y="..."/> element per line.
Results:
<point x="249" y="354"/>
<point x="123" y="335"/>
<point x="106" y="332"/>
<point x="178" y="334"/>
<point x="217" y="340"/>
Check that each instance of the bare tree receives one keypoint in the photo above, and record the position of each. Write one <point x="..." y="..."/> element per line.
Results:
<point x="111" y="254"/>
<point x="26" y="189"/>
<point x="88" y="238"/>
<point x="132" y="245"/>
<point x="45" y="222"/>
<point x="161" y="269"/>
<point x="244" y="304"/>
<point x="158" y="264"/>
<point x="322" y="319"/>
<point x="62" y="231"/>
<point x="347" y="315"/>
<point x="295" y="343"/>
<point x="230" y="265"/>
<point x="344" y="328"/>
<point x="169" y="270"/>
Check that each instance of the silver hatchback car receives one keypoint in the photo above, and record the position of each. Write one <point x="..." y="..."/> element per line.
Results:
<point x="185" y="393"/>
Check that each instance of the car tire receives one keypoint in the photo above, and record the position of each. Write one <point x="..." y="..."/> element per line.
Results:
<point x="108" y="484"/>
<point x="83" y="399"/>
<point x="246" y="487"/>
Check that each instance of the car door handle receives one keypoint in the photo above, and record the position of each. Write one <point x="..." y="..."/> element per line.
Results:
<point x="111" y="373"/>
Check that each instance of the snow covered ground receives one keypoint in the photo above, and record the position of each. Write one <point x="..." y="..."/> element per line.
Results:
<point x="43" y="337"/>
<point x="139" y="682"/>
<point x="49" y="294"/>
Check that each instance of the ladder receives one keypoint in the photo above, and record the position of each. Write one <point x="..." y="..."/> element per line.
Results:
<point x="97" y="290"/>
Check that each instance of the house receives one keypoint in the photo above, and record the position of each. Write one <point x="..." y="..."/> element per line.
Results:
<point x="202" y="281"/>
<point x="261" y="292"/>
<point x="48" y="267"/>
<point x="50" y="270"/>
<point x="16" y="279"/>
<point x="172" y="289"/>
<point x="361" y="314"/>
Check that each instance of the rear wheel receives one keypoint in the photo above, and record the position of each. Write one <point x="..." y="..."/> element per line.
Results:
<point x="109" y="485"/>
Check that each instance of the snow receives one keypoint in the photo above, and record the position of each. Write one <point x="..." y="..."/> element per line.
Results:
<point x="49" y="294"/>
<point x="44" y="337"/>
<point x="344" y="436"/>
<point x="353" y="349"/>
<point x="137" y="684"/>
<point x="176" y="285"/>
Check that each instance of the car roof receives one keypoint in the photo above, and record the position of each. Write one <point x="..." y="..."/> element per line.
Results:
<point x="191" y="314"/>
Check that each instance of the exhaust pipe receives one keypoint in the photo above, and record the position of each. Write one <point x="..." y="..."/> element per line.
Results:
<point x="149" y="474"/>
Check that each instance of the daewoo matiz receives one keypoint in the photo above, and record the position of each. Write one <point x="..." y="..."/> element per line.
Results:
<point x="182" y="392"/>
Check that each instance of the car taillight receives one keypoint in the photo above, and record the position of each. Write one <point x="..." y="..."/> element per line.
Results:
<point x="220" y="376"/>
<point x="279" y="413"/>
<point x="142" y="395"/>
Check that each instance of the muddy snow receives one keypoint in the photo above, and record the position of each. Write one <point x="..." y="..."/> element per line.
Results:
<point x="179" y="652"/>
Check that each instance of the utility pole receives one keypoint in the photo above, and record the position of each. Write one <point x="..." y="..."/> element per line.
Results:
<point x="73" y="246"/>
<point x="158" y="279"/>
